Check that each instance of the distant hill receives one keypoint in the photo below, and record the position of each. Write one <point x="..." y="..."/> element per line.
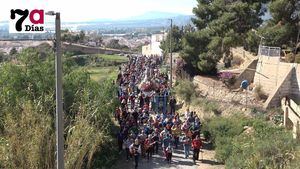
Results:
<point x="154" y="15"/>
<point x="139" y="22"/>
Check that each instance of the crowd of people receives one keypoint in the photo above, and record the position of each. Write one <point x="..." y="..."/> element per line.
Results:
<point x="149" y="123"/>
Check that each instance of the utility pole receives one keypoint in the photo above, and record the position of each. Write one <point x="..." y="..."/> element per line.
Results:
<point x="59" y="93"/>
<point x="59" y="100"/>
<point x="171" y="57"/>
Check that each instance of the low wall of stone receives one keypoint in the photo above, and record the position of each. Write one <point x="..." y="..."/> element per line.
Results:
<point x="91" y="50"/>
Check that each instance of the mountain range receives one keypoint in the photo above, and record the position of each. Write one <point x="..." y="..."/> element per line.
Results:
<point x="147" y="20"/>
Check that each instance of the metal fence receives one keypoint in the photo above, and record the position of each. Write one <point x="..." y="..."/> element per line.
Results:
<point x="269" y="51"/>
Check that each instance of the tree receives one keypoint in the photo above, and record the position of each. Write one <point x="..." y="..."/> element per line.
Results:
<point x="177" y="35"/>
<point x="13" y="51"/>
<point x="114" y="44"/>
<point x="99" y="40"/>
<point x="2" y="56"/>
<point x="81" y="36"/>
<point x="70" y="37"/>
<point x="221" y="25"/>
<point x="282" y="29"/>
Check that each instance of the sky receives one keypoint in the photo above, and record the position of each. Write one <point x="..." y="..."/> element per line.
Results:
<point x="87" y="10"/>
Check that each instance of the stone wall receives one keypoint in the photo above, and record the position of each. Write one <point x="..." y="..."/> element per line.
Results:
<point x="90" y="50"/>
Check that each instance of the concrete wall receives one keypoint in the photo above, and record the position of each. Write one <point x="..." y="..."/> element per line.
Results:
<point x="146" y="50"/>
<point x="245" y="55"/>
<point x="270" y="72"/>
<point x="282" y="90"/>
<point x="278" y="79"/>
<point x="247" y="74"/>
<point x="154" y="47"/>
<point x="291" y="117"/>
<point x="295" y="91"/>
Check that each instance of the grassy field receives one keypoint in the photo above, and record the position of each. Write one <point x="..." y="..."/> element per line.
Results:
<point x="102" y="73"/>
<point x="108" y="67"/>
<point x="113" y="58"/>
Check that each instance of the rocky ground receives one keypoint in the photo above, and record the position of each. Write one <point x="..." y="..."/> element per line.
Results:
<point x="213" y="89"/>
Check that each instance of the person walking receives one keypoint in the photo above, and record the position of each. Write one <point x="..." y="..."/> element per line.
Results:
<point x="155" y="138"/>
<point x="169" y="152"/>
<point x="149" y="147"/>
<point x="120" y="141"/>
<point x="172" y="104"/>
<point x="176" y="133"/>
<point x="196" y="145"/>
<point x="126" y="145"/>
<point x="166" y="141"/>
<point x="135" y="150"/>
<point x="186" y="145"/>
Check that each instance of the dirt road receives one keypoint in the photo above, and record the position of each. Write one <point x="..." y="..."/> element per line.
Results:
<point x="178" y="161"/>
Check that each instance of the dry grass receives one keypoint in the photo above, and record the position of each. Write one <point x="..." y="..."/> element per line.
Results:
<point x="259" y="93"/>
<point x="29" y="139"/>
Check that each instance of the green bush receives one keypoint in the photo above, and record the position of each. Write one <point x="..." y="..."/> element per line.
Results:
<point x="27" y="123"/>
<point x="264" y="146"/>
<point x="224" y="148"/>
<point x="222" y="131"/>
<point x="224" y="127"/>
<point x="186" y="90"/>
<point x="211" y="106"/>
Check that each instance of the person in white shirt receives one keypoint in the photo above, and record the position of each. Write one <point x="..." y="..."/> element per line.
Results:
<point x="127" y="143"/>
<point x="135" y="150"/>
<point x="187" y="113"/>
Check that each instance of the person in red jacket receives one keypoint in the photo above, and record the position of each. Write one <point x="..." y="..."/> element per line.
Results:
<point x="196" y="145"/>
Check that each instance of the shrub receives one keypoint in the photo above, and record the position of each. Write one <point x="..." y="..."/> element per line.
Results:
<point x="224" y="148"/>
<point x="290" y="58"/>
<point x="227" y="78"/>
<point x="259" y="93"/>
<point x="221" y="132"/>
<point x="206" y="105"/>
<point x="237" y="61"/>
<point x="185" y="90"/>
<point x="211" y="106"/>
<point x="29" y="140"/>
<point x="27" y="130"/>
<point x="297" y="58"/>
<point x="224" y="127"/>
<point x="267" y="146"/>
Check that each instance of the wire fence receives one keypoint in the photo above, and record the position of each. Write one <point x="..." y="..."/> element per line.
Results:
<point x="269" y="51"/>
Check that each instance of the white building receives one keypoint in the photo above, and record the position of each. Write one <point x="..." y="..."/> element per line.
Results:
<point x="154" y="47"/>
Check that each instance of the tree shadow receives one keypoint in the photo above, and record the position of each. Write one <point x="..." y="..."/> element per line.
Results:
<point x="179" y="106"/>
<point x="210" y="162"/>
<point x="208" y="146"/>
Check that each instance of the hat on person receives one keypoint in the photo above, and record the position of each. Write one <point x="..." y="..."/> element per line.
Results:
<point x="136" y="141"/>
